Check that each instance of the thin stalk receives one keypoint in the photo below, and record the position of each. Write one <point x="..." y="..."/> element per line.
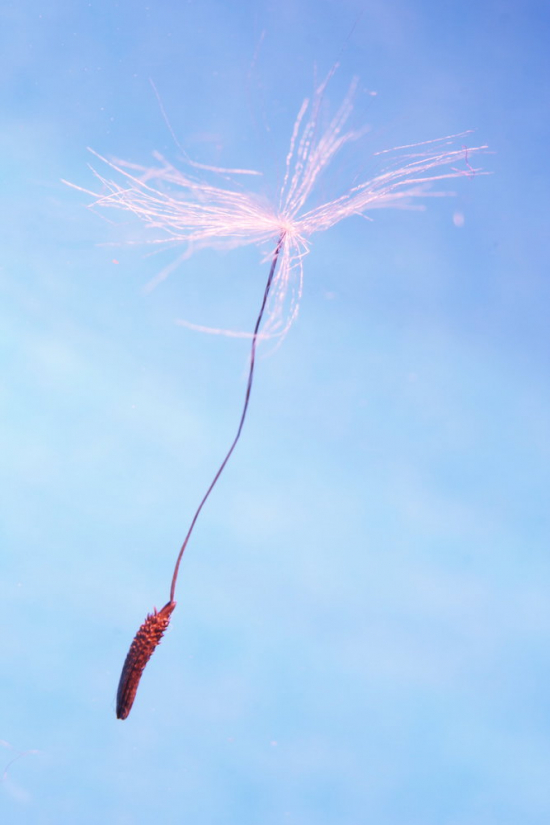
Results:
<point x="243" y="414"/>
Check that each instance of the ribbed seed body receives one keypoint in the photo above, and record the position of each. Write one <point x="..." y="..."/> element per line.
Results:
<point x="141" y="650"/>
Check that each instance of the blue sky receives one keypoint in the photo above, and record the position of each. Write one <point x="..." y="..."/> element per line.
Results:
<point x="363" y="618"/>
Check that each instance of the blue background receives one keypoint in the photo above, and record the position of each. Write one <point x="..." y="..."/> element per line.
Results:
<point x="363" y="619"/>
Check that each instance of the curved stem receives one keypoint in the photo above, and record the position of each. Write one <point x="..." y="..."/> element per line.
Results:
<point x="243" y="414"/>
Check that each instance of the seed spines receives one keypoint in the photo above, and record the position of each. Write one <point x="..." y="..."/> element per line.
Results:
<point x="142" y="648"/>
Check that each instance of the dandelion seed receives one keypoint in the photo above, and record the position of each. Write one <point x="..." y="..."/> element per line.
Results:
<point x="185" y="210"/>
<point x="19" y="755"/>
<point x="151" y="631"/>
<point x="142" y="648"/>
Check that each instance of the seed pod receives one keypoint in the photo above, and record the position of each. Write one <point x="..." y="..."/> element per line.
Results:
<point x="141" y="650"/>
